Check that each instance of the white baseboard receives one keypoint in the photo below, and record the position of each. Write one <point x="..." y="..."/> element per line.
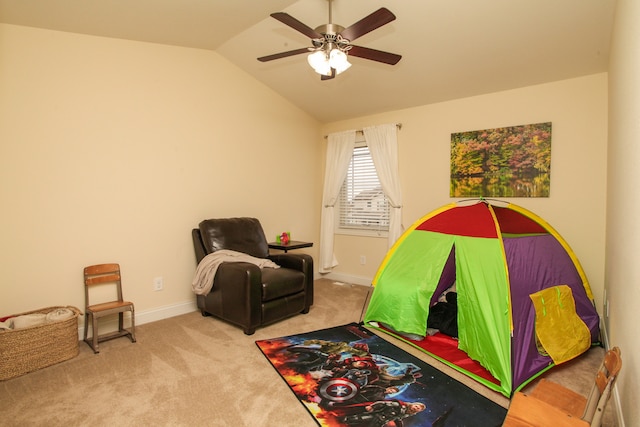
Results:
<point x="347" y="278"/>
<point x="165" y="312"/>
<point x="148" y="316"/>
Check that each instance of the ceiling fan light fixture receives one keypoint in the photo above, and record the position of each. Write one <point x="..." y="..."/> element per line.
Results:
<point x="319" y="62"/>
<point x="338" y="61"/>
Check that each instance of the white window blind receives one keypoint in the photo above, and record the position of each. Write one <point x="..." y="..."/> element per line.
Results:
<point x="363" y="205"/>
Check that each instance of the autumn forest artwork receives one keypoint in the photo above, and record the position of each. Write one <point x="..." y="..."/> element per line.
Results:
<point x="502" y="162"/>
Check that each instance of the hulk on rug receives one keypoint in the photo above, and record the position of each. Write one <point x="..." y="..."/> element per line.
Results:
<point x="348" y="376"/>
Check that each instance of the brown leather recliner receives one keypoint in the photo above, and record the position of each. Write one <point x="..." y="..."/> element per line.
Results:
<point x="243" y="293"/>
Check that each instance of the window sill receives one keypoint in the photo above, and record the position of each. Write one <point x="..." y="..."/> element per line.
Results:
<point x="362" y="233"/>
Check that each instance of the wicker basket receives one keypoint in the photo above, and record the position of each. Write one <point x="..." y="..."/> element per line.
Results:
<point x="36" y="347"/>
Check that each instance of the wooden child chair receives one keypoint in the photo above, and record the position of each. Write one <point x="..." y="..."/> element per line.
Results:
<point x="551" y="404"/>
<point x="106" y="274"/>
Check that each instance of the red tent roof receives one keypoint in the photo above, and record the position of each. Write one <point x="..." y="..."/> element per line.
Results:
<point x="476" y="221"/>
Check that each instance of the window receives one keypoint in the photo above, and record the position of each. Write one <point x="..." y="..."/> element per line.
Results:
<point x="364" y="209"/>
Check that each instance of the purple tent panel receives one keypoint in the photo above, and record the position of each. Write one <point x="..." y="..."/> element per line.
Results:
<point x="535" y="263"/>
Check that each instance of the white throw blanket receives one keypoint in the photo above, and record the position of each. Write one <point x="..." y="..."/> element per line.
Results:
<point x="35" y="319"/>
<point x="206" y="270"/>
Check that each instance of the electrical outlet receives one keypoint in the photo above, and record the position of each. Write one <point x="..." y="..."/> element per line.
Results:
<point x="363" y="259"/>
<point x="158" y="284"/>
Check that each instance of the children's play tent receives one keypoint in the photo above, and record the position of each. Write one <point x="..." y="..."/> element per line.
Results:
<point x="523" y="300"/>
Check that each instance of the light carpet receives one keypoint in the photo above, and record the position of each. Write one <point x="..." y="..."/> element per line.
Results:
<point x="191" y="370"/>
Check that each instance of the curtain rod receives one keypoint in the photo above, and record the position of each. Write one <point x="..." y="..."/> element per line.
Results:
<point x="398" y="125"/>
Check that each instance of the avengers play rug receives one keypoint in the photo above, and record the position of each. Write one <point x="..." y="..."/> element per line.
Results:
<point x="348" y="376"/>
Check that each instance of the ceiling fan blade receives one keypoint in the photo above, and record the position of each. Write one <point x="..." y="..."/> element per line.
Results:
<point x="283" y="54"/>
<point x="374" y="55"/>
<point x="292" y="22"/>
<point x="367" y="24"/>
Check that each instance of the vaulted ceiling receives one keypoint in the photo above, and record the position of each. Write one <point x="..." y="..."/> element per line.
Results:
<point x="450" y="48"/>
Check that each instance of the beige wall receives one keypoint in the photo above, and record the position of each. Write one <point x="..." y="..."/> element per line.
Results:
<point x="622" y="279"/>
<point x="112" y="150"/>
<point x="172" y="135"/>
<point x="576" y="207"/>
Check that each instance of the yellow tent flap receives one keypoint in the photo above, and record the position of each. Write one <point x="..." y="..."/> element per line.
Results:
<point x="559" y="329"/>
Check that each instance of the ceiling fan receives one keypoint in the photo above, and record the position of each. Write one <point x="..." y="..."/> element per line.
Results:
<point x="331" y="43"/>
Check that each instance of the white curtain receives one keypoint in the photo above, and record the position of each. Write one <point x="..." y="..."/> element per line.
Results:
<point x="339" y="152"/>
<point x="383" y="145"/>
